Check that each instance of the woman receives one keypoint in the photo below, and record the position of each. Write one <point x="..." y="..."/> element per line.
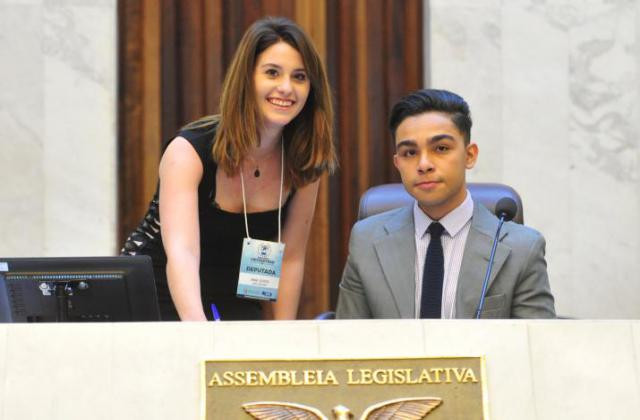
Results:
<point x="270" y="144"/>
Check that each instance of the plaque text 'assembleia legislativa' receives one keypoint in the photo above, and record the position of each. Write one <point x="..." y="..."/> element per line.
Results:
<point x="408" y="376"/>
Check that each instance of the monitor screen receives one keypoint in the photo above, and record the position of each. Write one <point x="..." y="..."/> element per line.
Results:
<point x="77" y="289"/>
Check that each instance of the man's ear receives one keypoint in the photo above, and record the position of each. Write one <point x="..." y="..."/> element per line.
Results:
<point x="395" y="160"/>
<point x="472" y="155"/>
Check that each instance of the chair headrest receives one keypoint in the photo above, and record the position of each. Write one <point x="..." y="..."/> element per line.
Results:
<point x="390" y="196"/>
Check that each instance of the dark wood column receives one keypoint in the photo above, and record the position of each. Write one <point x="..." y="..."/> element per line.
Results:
<point x="374" y="51"/>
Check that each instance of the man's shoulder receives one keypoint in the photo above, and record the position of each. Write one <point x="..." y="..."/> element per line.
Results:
<point x="382" y="223"/>
<point x="521" y="232"/>
<point x="523" y="239"/>
<point x="513" y="234"/>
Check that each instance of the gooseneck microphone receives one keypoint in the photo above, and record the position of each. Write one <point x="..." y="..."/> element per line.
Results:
<point x="506" y="209"/>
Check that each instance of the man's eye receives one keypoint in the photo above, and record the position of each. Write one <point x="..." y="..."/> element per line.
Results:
<point x="442" y="148"/>
<point x="408" y="153"/>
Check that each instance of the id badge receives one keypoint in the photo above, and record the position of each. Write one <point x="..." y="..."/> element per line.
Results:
<point x="260" y="269"/>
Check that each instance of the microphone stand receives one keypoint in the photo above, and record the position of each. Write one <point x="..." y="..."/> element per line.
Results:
<point x="485" y="283"/>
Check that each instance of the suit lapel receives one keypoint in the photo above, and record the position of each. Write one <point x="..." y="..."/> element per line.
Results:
<point x="476" y="260"/>
<point x="396" y="254"/>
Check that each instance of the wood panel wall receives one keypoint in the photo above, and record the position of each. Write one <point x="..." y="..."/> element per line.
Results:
<point x="172" y="59"/>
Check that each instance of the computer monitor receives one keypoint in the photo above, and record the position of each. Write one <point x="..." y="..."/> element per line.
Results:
<point x="77" y="289"/>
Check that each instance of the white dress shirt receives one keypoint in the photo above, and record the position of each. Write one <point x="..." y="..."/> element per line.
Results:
<point x="456" y="229"/>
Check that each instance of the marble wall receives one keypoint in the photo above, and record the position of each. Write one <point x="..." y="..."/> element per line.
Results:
<point x="554" y="88"/>
<point x="58" y="117"/>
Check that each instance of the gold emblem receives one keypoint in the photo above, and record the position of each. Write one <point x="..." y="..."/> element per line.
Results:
<point x="399" y="408"/>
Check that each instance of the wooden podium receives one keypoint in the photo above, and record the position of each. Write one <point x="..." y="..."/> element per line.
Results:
<point x="536" y="370"/>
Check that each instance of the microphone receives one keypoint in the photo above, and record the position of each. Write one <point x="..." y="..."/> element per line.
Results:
<point x="506" y="209"/>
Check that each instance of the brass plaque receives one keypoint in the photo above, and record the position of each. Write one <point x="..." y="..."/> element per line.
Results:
<point x="451" y="388"/>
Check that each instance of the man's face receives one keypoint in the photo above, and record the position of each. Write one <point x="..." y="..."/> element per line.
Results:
<point x="432" y="159"/>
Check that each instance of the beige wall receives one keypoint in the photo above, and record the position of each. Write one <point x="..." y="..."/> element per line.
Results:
<point x="554" y="91"/>
<point x="58" y="119"/>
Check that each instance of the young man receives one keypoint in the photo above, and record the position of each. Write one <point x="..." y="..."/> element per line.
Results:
<point x="428" y="260"/>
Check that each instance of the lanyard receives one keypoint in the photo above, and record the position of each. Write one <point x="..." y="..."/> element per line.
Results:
<point x="244" y="200"/>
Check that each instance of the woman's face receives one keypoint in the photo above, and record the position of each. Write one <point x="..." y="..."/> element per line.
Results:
<point x="281" y="84"/>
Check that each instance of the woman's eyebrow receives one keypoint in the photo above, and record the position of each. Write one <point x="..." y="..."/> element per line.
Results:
<point x="280" y="67"/>
<point x="270" y="65"/>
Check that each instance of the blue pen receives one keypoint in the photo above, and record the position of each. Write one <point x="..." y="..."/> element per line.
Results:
<point x="214" y="311"/>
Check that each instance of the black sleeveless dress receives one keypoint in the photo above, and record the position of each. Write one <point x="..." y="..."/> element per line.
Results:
<point x="221" y="236"/>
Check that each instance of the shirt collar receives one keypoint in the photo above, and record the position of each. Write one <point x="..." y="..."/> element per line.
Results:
<point x="453" y="221"/>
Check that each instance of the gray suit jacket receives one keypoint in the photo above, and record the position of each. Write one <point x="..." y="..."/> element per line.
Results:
<point x="379" y="277"/>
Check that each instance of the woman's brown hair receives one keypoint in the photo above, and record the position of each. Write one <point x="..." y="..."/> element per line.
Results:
<point x="308" y="138"/>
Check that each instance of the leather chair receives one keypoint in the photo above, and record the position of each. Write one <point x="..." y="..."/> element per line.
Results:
<point x="390" y="196"/>
<point x="385" y="197"/>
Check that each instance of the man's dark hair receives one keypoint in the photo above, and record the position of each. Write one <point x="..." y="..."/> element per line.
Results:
<point x="426" y="100"/>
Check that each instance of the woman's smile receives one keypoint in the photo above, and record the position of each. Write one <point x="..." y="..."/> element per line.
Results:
<point x="281" y="103"/>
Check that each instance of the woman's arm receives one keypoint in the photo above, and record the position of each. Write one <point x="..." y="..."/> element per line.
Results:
<point x="180" y="174"/>
<point x="295" y="235"/>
